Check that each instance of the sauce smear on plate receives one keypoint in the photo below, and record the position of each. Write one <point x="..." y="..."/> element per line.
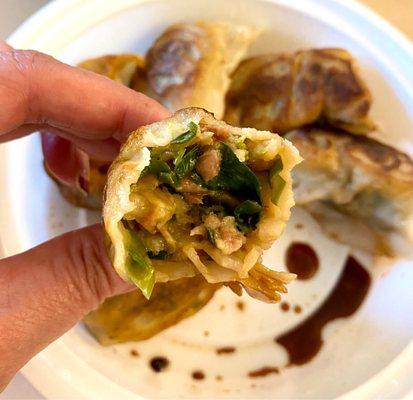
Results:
<point x="304" y="342"/>
<point x="264" y="371"/>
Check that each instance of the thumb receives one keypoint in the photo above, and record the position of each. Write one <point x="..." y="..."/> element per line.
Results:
<point x="46" y="290"/>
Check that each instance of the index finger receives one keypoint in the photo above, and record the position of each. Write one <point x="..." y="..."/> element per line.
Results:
<point x="37" y="89"/>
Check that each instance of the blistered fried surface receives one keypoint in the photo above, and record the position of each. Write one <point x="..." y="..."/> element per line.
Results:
<point x="190" y="63"/>
<point x="280" y="92"/>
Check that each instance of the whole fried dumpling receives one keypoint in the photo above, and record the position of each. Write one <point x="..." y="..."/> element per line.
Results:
<point x="281" y="92"/>
<point x="192" y="195"/>
<point x="132" y="317"/>
<point x="358" y="189"/>
<point x="189" y="65"/>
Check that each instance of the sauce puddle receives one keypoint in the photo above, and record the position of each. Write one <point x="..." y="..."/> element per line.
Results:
<point x="304" y="342"/>
<point x="301" y="259"/>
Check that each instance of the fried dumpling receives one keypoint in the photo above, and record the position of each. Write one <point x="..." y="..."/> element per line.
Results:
<point x="281" y="92"/>
<point x="358" y="189"/>
<point x="192" y="195"/>
<point x="131" y="317"/>
<point x="118" y="67"/>
<point x="189" y="65"/>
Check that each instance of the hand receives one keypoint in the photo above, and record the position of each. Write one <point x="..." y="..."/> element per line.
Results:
<point x="46" y="290"/>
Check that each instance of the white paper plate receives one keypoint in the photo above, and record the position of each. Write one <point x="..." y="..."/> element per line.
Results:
<point x="365" y="356"/>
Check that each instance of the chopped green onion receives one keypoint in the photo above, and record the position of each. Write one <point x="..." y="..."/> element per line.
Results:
<point x="277" y="166"/>
<point x="277" y="186"/>
<point x="138" y="265"/>
<point x="212" y="236"/>
<point x="240" y="144"/>
<point x="276" y="181"/>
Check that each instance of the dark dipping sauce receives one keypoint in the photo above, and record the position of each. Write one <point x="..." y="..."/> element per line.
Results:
<point x="225" y="350"/>
<point x="301" y="259"/>
<point x="240" y="305"/>
<point x="264" y="371"/>
<point x="305" y="341"/>
<point x="198" y="375"/>
<point x="159" y="364"/>
<point x="134" y="353"/>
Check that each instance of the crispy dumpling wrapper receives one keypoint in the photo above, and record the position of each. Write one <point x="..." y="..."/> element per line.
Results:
<point x="118" y="67"/>
<point x="358" y="189"/>
<point x="131" y="317"/>
<point x="192" y="195"/>
<point x="190" y="64"/>
<point x="281" y="92"/>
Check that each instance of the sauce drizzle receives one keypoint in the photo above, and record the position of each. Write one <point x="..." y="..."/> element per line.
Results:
<point x="264" y="371"/>
<point x="304" y="342"/>
<point x="225" y="350"/>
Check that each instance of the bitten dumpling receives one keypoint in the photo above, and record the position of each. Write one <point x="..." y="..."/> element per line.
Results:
<point x="192" y="195"/>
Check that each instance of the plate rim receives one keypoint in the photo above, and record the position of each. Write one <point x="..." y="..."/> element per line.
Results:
<point x="61" y="383"/>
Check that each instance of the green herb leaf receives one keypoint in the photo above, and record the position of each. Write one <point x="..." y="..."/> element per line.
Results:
<point x="235" y="177"/>
<point x="156" y="167"/>
<point x="138" y="266"/>
<point x="212" y="236"/>
<point x="179" y="156"/>
<point x="247" y="215"/>
<point x="161" y="255"/>
<point x="187" y="164"/>
<point x="196" y="178"/>
<point x="277" y="183"/>
<point x="188" y="135"/>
